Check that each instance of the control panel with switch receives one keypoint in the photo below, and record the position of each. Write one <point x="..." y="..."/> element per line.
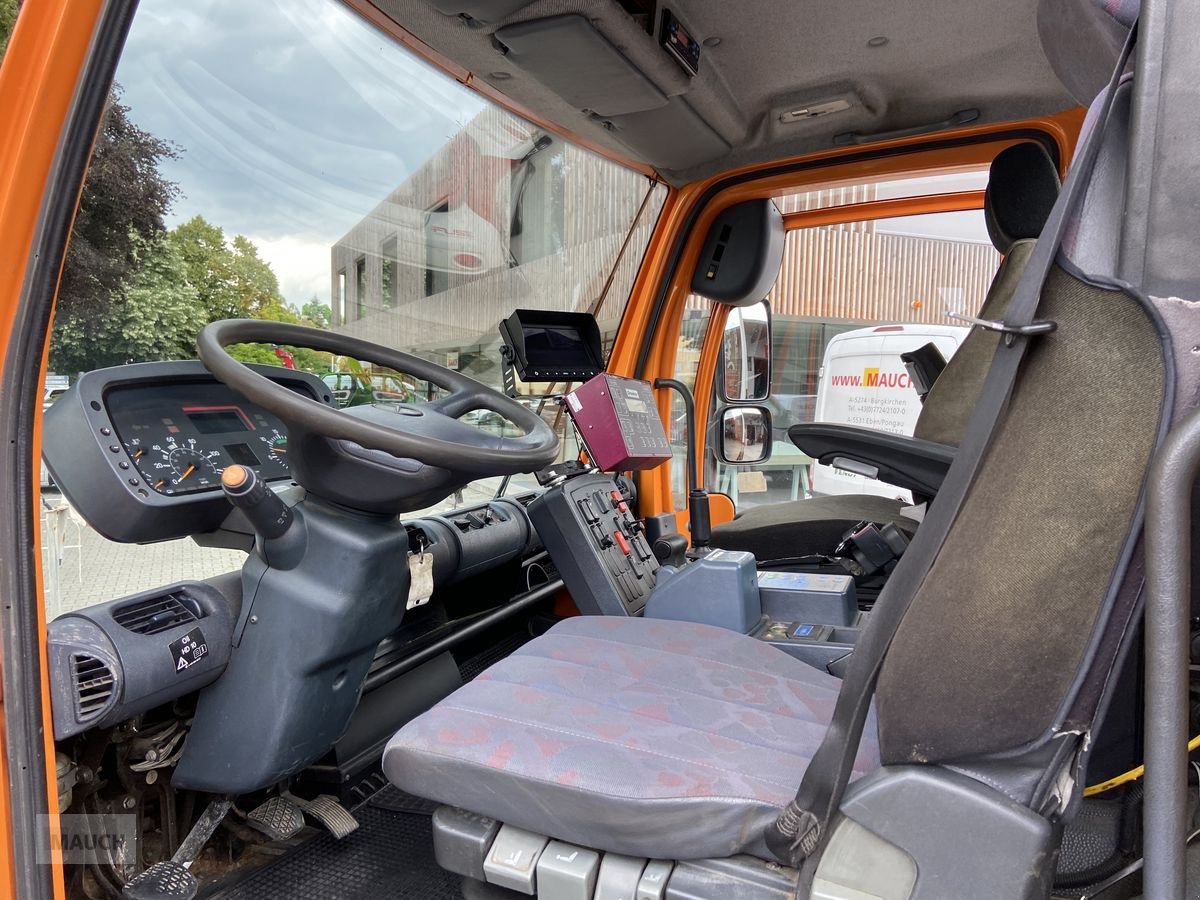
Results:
<point x="598" y="545"/>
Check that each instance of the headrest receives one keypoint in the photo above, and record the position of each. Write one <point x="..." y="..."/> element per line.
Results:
<point x="1082" y="40"/>
<point x="1022" y="187"/>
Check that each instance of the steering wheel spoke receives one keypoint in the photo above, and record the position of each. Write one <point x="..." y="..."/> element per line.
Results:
<point x="454" y="406"/>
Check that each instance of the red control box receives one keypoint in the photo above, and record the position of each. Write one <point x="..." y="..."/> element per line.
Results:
<point x="618" y="421"/>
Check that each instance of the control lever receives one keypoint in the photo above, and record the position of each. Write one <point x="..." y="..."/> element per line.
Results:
<point x="270" y="517"/>
<point x="699" y="513"/>
<point x="667" y="544"/>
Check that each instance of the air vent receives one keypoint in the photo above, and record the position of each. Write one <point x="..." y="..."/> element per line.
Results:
<point x="526" y="499"/>
<point x="93" y="685"/>
<point x="157" y="614"/>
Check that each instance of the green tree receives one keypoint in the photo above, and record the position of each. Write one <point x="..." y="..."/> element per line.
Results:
<point x="155" y="316"/>
<point x="206" y="256"/>
<point x="8" y="18"/>
<point x="120" y="218"/>
<point x="305" y="359"/>
<point x="317" y="313"/>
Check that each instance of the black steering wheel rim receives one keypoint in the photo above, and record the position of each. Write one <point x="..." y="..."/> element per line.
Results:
<point x="535" y="449"/>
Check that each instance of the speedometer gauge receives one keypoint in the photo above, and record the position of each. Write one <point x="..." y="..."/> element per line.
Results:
<point x="176" y="466"/>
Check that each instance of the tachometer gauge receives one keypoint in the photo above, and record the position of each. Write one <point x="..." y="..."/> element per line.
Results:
<point x="276" y="446"/>
<point x="174" y="466"/>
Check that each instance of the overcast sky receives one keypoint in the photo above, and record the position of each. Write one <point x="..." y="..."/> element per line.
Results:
<point x="294" y="118"/>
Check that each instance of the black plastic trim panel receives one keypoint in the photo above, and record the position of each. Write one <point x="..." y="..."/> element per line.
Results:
<point x="79" y="435"/>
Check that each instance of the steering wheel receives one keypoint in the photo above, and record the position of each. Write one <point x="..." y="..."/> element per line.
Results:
<point x="421" y="450"/>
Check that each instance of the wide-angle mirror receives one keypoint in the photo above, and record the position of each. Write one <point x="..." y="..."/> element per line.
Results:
<point x="745" y="435"/>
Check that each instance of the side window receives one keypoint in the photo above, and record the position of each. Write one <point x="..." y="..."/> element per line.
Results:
<point x="849" y="300"/>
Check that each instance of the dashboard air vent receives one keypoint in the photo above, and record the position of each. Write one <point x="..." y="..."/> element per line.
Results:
<point x="526" y="499"/>
<point x="157" y="614"/>
<point x="93" y="685"/>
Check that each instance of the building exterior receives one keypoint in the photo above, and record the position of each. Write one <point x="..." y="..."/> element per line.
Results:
<point x="507" y="216"/>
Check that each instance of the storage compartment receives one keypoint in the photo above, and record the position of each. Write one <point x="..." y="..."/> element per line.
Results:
<point x="672" y="137"/>
<point x="570" y="57"/>
<point x="825" y="647"/>
<point x="822" y="598"/>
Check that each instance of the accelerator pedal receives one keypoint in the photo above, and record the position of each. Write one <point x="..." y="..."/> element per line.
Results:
<point x="326" y="810"/>
<point x="170" y="879"/>
<point x="278" y="818"/>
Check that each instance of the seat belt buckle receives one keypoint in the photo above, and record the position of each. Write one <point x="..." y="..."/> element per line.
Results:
<point x="1010" y="332"/>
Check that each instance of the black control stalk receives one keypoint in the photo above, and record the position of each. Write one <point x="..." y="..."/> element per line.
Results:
<point x="268" y="514"/>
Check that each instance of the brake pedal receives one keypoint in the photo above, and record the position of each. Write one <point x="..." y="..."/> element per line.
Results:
<point x="278" y="818"/>
<point x="326" y="810"/>
<point x="167" y="879"/>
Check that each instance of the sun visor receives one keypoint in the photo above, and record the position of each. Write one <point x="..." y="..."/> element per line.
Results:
<point x="570" y="57"/>
<point x="1082" y="40"/>
<point x="742" y="254"/>
<point x="672" y="137"/>
<point x="480" y="10"/>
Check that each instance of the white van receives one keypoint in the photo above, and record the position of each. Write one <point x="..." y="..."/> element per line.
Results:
<point x="863" y="382"/>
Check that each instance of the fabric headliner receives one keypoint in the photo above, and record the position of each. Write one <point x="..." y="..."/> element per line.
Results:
<point x="629" y="735"/>
<point x="942" y="56"/>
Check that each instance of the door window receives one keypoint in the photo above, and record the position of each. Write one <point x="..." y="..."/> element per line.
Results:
<point x="863" y="291"/>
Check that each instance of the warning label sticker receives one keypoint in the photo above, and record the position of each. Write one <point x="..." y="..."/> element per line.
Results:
<point x="189" y="650"/>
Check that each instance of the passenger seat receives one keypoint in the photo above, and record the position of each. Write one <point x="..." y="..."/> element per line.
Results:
<point x="1022" y="187"/>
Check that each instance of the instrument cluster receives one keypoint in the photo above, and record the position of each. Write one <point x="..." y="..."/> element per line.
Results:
<point x="181" y="437"/>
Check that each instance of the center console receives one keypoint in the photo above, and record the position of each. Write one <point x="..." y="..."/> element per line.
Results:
<point x="600" y="547"/>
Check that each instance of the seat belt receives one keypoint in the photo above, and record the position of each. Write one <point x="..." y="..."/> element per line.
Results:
<point x="802" y="828"/>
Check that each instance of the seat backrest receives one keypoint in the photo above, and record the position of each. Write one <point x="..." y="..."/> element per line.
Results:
<point x="1012" y="639"/>
<point x="1022" y="187"/>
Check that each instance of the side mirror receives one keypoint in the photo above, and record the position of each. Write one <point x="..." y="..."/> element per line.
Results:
<point x="745" y="366"/>
<point x="745" y="435"/>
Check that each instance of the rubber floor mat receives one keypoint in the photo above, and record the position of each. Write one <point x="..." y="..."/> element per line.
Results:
<point x="390" y="855"/>
<point x="396" y="800"/>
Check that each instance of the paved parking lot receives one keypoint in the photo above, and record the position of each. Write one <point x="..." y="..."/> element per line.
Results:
<point x="92" y="569"/>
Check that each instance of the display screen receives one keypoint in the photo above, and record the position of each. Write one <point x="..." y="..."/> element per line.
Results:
<point x="242" y="454"/>
<point x="556" y="346"/>
<point x="217" y="422"/>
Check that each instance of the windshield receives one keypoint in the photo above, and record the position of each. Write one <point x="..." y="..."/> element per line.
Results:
<point x="288" y="161"/>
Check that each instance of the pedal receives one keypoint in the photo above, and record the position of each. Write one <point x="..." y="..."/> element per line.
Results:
<point x="162" y="880"/>
<point x="326" y="810"/>
<point x="277" y="818"/>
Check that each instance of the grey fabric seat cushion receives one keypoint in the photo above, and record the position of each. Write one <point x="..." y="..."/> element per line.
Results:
<point x="805" y="527"/>
<point x="637" y="736"/>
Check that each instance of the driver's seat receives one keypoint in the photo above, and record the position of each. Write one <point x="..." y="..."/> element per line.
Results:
<point x="645" y="739"/>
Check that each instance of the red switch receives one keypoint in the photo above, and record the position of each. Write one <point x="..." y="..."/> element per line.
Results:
<point x="619" y="502"/>
<point x="622" y="543"/>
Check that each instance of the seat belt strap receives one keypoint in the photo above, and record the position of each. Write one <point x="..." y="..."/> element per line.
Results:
<point x="802" y="828"/>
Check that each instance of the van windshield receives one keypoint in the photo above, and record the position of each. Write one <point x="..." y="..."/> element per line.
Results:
<point x="285" y="160"/>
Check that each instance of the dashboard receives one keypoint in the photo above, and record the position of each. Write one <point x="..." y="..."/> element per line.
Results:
<point x="180" y="437"/>
<point x="139" y="449"/>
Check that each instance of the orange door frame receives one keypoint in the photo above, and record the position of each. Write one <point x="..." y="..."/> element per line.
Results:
<point x="39" y="79"/>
